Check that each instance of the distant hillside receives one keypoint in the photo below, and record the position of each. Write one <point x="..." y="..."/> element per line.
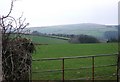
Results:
<point x="96" y="30"/>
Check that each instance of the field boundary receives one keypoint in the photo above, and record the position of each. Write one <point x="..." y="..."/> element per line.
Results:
<point x="62" y="70"/>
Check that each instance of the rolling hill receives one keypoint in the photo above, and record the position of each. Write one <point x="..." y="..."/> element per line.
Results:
<point x="96" y="30"/>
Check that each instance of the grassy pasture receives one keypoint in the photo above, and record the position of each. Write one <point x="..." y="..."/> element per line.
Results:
<point x="46" y="40"/>
<point x="68" y="50"/>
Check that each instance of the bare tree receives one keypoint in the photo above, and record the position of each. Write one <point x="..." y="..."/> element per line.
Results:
<point x="16" y="51"/>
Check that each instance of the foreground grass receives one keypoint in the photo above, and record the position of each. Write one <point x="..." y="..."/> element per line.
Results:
<point x="68" y="50"/>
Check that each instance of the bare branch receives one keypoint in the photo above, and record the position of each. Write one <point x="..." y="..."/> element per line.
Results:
<point x="11" y="7"/>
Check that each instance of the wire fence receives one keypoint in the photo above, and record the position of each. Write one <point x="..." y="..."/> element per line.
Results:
<point x="62" y="69"/>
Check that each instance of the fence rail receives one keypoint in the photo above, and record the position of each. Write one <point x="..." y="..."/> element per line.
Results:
<point x="59" y="70"/>
<point x="73" y="57"/>
<point x="62" y="59"/>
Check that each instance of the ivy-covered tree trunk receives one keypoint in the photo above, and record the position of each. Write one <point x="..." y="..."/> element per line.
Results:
<point x="16" y="57"/>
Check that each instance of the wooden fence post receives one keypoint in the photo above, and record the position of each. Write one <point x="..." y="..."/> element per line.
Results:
<point x="92" y="68"/>
<point x="63" y="70"/>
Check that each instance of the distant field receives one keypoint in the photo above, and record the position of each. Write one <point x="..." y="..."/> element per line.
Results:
<point x="46" y="40"/>
<point x="68" y="50"/>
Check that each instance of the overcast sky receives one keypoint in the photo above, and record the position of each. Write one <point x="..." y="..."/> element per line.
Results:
<point x="57" y="12"/>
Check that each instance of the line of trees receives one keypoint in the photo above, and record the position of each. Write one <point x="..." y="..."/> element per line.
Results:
<point x="72" y="38"/>
<point x="52" y="34"/>
<point x="109" y="36"/>
<point x="83" y="39"/>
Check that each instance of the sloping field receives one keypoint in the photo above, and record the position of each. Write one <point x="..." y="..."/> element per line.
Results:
<point x="46" y="40"/>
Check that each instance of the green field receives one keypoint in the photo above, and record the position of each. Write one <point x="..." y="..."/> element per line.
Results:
<point x="45" y="40"/>
<point x="69" y="50"/>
